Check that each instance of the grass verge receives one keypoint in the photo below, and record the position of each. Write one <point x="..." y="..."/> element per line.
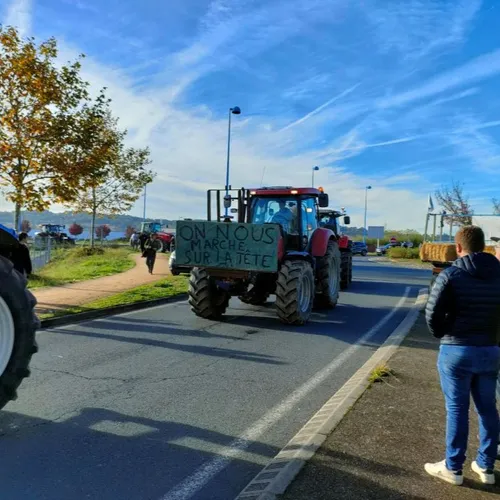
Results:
<point x="169" y="287"/>
<point x="404" y="253"/>
<point x="69" y="265"/>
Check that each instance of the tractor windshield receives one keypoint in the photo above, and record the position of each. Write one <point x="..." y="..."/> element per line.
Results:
<point x="282" y="210"/>
<point x="278" y="210"/>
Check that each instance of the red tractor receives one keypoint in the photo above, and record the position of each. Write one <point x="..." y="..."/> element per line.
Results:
<point x="165" y="237"/>
<point x="276" y="246"/>
<point x="329" y="219"/>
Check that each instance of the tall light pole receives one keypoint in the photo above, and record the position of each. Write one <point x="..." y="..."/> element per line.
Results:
<point x="144" y="211"/>
<point x="227" y="199"/>
<point x="366" y="210"/>
<point x="314" y="169"/>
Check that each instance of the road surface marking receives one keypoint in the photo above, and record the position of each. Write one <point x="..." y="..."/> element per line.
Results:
<point x="199" y="479"/>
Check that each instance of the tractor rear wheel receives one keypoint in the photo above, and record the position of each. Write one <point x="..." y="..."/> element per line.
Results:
<point x="345" y="270"/>
<point x="206" y="299"/>
<point x="328" y="277"/>
<point x="18" y="324"/>
<point x="295" y="292"/>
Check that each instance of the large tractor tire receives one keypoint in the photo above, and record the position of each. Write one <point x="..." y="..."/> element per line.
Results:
<point x="328" y="277"/>
<point x="206" y="299"/>
<point x="345" y="270"/>
<point x="18" y="324"/>
<point x="295" y="292"/>
<point x="258" y="292"/>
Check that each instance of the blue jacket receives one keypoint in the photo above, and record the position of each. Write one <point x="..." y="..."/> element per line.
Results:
<point x="464" y="304"/>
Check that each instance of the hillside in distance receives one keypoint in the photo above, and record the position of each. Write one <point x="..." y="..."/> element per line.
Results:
<point x="117" y="223"/>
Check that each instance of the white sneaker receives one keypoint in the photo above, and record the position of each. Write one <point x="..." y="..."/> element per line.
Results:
<point x="440" y="471"/>
<point x="486" y="476"/>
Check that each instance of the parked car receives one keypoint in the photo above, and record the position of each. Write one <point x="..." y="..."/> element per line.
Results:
<point x="382" y="250"/>
<point x="175" y="269"/>
<point x="359" y="248"/>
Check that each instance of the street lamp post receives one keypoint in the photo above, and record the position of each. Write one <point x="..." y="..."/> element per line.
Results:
<point x="314" y="169"/>
<point x="227" y="200"/>
<point x="144" y="211"/>
<point x="366" y="210"/>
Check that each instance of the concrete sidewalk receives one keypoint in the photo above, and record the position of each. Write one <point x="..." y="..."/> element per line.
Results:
<point x="75" y="294"/>
<point x="378" y="451"/>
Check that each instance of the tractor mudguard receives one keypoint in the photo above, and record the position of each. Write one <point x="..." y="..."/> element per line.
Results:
<point x="295" y="255"/>
<point x="319" y="241"/>
<point x="344" y="243"/>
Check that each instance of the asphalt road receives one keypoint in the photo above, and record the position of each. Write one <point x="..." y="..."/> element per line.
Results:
<point x="161" y="405"/>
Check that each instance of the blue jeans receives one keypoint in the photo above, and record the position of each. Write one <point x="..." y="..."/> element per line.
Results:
<point x="466" y="370"/>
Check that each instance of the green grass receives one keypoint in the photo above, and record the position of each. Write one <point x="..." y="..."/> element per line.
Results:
<point x="75" y="264"/>
<point x="379" y="373"/>
<point x="168" y="287"/>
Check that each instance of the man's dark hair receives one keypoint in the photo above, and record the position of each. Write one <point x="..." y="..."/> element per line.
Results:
<point x="471" y="238"/>
<point x="23" y="236"/>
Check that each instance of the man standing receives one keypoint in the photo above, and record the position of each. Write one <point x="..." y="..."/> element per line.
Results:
<point x="151" y="246"/>
<point x="463" y="311"/>
<point x="21" y="256"/>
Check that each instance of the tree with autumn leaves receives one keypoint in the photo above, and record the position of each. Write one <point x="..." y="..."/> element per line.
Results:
<point x="57" y="144"/>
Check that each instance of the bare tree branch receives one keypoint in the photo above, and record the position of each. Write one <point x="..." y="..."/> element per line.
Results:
<point x="456" y="204"/>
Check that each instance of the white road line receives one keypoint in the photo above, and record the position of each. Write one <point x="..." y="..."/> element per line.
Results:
<point x="200" y="478"/>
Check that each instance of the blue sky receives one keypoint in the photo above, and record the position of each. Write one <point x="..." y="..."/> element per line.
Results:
<point x="399" y="95"/>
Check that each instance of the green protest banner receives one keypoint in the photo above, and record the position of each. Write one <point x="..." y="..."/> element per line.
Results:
<point x="227" y="245"/>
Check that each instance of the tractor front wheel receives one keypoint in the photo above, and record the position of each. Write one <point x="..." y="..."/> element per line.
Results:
<point x="328" y="277"/>
<point x="206" y="299"/>
<point x="18" y="324"/>
<point x="295" y="292"/>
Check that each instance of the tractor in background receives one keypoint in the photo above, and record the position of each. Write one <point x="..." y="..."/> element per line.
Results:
<point x="165" y="237"/>
<point x="55" y="232"/>
<point x="329" y="219"/>
<point x="276" y="246"/>
<point x="18" y="321"/>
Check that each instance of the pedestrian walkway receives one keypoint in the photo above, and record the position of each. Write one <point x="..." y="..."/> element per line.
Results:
<point x="76" y="294"/>
<point x="378" y="451"/>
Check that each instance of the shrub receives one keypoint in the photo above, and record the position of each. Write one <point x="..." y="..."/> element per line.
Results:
<point x="89" y="251"/>
<point x="75" y="229"/>
<point x="403" y="253"/>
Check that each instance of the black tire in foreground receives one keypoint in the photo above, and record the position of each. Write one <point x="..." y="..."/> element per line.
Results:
<point x="206" y="299"/>
<point x="328" y="277"/>
<point x="295" y="292"/>
<point x="17" y="306"/>
<point x="345" y="270"/>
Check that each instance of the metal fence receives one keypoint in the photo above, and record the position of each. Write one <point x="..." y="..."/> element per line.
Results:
<point x="40" y="254"/>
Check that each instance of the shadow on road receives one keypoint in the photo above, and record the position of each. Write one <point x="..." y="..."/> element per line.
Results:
<point x="105" y="455"/>
<point x="190" y="348"/>
<point x="367" y="287"/>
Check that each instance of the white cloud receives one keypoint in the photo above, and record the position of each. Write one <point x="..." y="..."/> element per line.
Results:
<point x="417" y="28"/>
<point x="482" y="67"/>
<point x="322" y="107"/>
<point x="18" y="14"/>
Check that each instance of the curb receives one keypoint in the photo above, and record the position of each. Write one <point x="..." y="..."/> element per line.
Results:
<point x="279" y="473"/>
<point x="109" y="311"/>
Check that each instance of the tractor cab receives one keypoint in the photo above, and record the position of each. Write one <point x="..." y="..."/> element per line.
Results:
<point x="151" y="227"/>
<point x="329" y="219"/>
<point x="52" y="229"/>
<point x="294" y="209"/>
